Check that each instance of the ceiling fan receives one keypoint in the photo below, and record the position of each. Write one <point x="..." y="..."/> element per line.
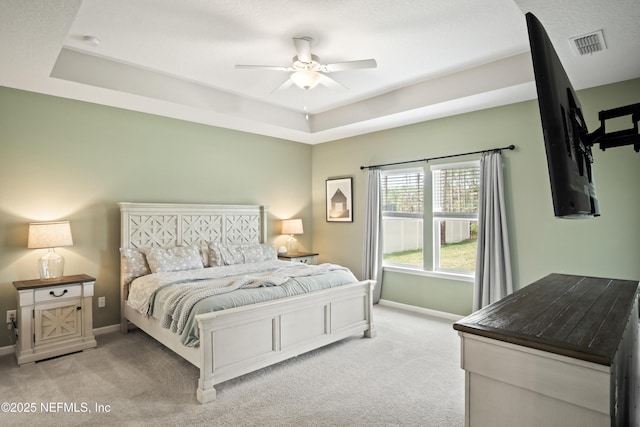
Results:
<point x="307" y="71"/>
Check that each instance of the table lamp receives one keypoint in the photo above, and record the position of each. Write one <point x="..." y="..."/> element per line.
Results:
<point x="291" y="227"/>
<point x="50" y="235"/>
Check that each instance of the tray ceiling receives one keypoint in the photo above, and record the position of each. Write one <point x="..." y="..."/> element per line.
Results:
<point x="177" y="58"/>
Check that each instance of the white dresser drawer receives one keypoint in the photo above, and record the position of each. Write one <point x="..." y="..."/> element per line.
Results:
<point x="58" y="292"/>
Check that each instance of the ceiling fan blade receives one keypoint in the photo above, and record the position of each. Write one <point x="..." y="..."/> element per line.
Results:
<point x="350" y="65"/>
<point x="303" y="48"/>
<point x="265" y="67"/>
<point x="287" y="84"/>
<point x="331" y="83"/>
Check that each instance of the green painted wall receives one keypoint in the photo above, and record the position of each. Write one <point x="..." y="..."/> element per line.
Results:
<point x="608" y="246"/>
<point x="63" y="159"/>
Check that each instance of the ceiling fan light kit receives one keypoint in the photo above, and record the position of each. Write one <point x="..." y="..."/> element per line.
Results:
<point x="306" y="79"/>
<point x="308" y="72"/>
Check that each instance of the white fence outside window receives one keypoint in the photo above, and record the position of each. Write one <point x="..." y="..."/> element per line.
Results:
<point x="405" y="234"/>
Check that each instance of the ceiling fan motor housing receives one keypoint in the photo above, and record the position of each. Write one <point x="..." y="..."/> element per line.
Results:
<point x="299" y="65"/>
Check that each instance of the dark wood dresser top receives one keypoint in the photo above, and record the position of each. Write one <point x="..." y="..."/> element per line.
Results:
<point x="575" y="316"/>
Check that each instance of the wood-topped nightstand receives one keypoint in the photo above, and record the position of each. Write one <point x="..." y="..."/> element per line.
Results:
<point x="302" y="257"/>
<point x="54" y="317"/>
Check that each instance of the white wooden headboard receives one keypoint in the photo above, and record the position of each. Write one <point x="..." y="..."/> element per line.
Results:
<point x="145" y="225"/>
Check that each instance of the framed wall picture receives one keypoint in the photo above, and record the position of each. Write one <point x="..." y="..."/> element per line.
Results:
<point x="339" y="200"/>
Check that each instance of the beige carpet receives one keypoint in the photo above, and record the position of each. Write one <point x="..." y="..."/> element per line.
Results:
<point x="409" y="375"/>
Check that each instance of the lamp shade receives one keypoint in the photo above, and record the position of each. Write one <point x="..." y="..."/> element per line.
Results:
<point x="49" y="235"/>
<point x="292" y="226"/>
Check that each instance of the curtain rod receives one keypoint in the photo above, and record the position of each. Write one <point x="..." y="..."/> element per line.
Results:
<point x="510" y="147"/>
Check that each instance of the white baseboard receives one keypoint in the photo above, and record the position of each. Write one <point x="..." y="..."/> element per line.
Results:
<point x="421" y="310"/>
<point x="9" y="349"/>
<point x="6" y="350"/>
<point x="106" y="329"/>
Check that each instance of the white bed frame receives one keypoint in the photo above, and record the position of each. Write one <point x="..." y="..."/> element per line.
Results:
<point x="237" y="341"/>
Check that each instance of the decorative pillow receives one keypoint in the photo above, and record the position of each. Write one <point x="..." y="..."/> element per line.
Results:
<point x="221" y="254"/>
<point x="174" y="259"/>
<point x="215" y="255"/>
<point x="259" y="252"/>
<point x="204" y="253"/>
<point x="134" y="264"/>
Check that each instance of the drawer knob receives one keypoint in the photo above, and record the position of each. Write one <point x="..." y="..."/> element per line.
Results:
<point x="78" y="308"/>
<point x="53" y="294"/>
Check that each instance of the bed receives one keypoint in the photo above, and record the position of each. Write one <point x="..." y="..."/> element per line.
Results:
<point x="230" y="342"/>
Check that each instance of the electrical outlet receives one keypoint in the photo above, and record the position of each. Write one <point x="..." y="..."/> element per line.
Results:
<point x="11" y="316"/>
<point x="102" y="302"/>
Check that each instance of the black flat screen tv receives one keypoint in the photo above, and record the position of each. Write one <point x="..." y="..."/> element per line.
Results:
<point x="567" y="146"/>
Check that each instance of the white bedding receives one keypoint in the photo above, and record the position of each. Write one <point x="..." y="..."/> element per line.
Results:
<point x="143" y="288"/>
<point x="190" y="286"/>
<point x="171" y="297"/>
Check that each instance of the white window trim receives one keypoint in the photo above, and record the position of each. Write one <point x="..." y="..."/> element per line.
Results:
<point x="427" y="273"/>
<point x="430" y="261"/>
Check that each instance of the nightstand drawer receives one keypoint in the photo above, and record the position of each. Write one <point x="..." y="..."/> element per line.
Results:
<point x="300" y="257"/>
<point x="305" y="259"/>
<point x="58" y="292"/>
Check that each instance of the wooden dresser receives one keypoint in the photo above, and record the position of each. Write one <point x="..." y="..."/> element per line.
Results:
<point x="562" y="351"/>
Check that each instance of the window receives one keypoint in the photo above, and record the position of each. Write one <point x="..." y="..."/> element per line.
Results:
<point x="447" y="199"/>
<point x="455" y="193"/>
<point x="403" y="217"/>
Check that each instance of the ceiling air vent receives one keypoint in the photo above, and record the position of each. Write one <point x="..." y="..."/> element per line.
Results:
<point x="589" y="43"/>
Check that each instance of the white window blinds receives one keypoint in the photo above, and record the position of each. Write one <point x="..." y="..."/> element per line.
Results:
<point x="456" y="190"/>
<point x="403" y="192"/>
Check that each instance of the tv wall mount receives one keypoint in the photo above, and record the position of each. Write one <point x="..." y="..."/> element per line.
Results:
<point x="617" y="138"/>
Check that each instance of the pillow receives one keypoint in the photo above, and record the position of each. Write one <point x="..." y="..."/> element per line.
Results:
<point x="221" y="254"/>
<point x="204" y="253"/>
<point x="178" y="258"/>
<point x="259" y="252"/>
<point x="134" y="264"/>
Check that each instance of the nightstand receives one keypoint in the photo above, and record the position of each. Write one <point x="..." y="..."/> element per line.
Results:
<point x="54" y="317"/>
<point x="301" y="257"/>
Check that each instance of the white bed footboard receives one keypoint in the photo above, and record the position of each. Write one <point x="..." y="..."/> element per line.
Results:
<point x="241" y="340"/>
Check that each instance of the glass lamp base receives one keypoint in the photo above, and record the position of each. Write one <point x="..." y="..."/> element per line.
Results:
<point x="292" y="245"/>
<point x="51" y="266"/>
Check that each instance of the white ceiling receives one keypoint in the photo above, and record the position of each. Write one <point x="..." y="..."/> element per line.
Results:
<point x="176" y="58"/>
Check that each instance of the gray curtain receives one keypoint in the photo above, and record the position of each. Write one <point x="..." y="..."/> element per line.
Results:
<point x="493" y="279"/>
<point x="372" y="258"/>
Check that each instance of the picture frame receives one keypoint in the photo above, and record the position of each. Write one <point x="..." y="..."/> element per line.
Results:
<point x="339" y="199"/>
